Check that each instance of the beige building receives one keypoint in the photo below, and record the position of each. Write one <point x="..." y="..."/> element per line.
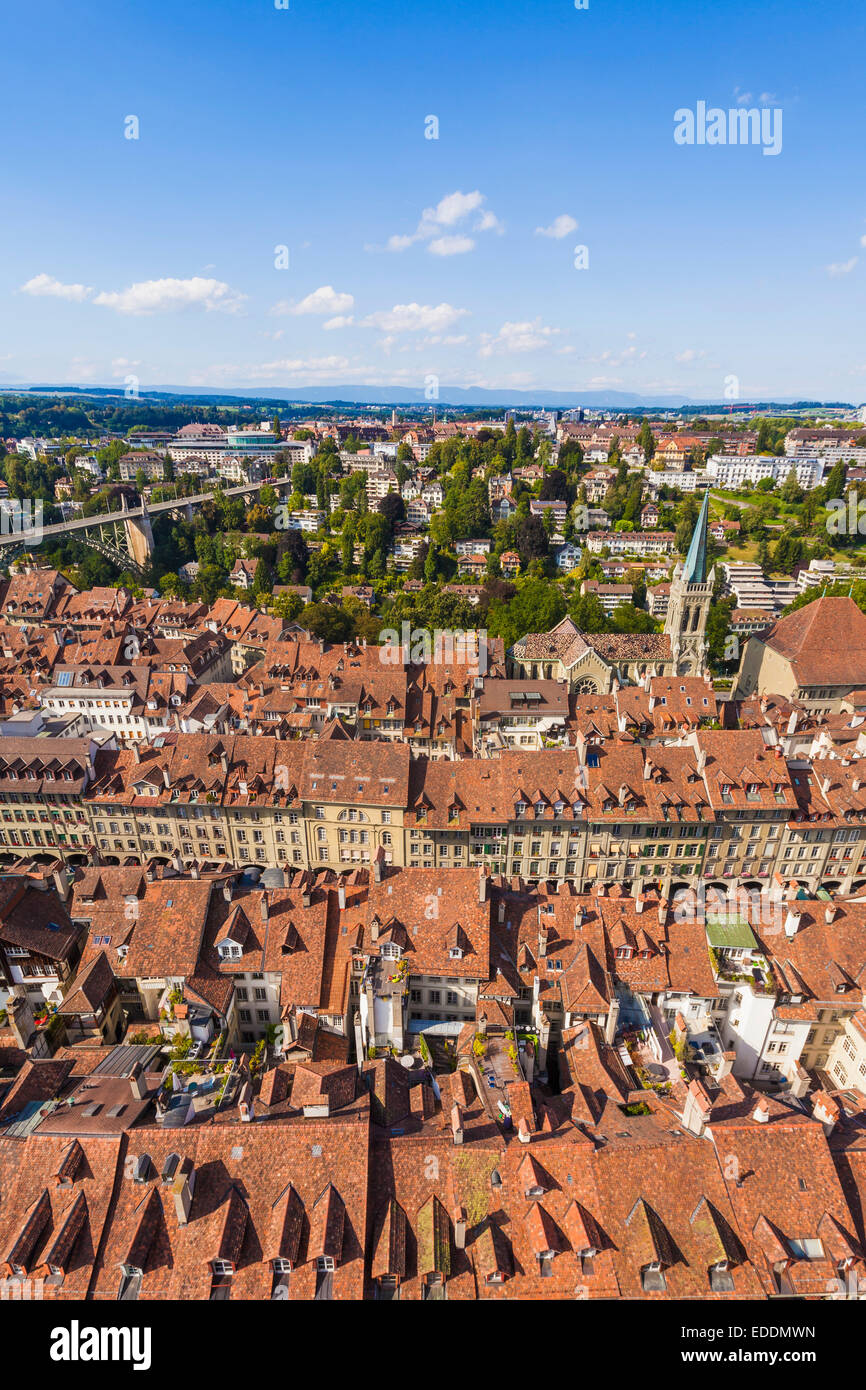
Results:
<point x="816" y="655"/>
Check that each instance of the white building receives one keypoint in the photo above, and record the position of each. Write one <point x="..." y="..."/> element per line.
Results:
<point x="734" y="470"/>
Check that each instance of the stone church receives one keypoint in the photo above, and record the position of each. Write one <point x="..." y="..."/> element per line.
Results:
<point x="593" y="662"/>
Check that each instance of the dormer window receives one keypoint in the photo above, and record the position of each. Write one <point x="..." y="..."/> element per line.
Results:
<point x="455" y="953"/>
<point x="520" y="807"/>
<point x="653" y="1278"/>
<point x="624" y="953"/>
<point x="726" y="793"/>
<point x="539" y="808"/>
<point x="391" y="951"/>
<point x="229" y="951"/>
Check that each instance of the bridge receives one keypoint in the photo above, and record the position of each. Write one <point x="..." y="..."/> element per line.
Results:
<point x="125" y="537"/>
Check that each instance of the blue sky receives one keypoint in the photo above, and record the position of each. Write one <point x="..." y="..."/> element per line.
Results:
<point x="411" y="257"/>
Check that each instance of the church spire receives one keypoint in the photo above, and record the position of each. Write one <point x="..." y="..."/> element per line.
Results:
<point x="695" y="568"/>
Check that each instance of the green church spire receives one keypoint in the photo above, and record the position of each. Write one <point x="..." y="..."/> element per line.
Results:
<point x="695" y="568"/>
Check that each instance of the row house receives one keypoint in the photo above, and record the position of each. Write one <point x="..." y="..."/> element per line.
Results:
<point x="631" y="542"/>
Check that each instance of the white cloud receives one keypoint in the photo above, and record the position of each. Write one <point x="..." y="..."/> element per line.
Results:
<point x="413" y="318"/>
<point x="517" y="337"/>
<point x="451" y="245"/>
<point x="324" y="300"/>
<point x="453" y="208"/>
<point x="842" y="267"/>
<point x="689" y="355"/>
<point x="46" y="285"/>
<point x="170" y="295"/>
<point x="489" y="222"/>
<point x="339" y="321"/>
<point x="448" y="213"/>
<point x="121" y="365"/>
<point x="560" y="227"/>
<point x="863" y="241"/>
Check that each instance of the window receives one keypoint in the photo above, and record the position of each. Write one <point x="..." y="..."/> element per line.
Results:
<point x="806" y="1248"/>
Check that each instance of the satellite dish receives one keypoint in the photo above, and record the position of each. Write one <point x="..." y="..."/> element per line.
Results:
<point x="407" y="1061"/>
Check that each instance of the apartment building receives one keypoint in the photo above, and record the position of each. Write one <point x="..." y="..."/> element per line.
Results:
<point x="733" y="471"/>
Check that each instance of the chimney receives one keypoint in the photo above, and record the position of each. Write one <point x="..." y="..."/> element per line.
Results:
<point x="798" y="1079"/>
<point x="701" y="759"/>
<point x="165" y="778"/>
<point x="761" y="1112"/>
<point x="855" y="784"/>
<point x="182" y="1190"/>
<point x="374" y="929"/>
<point x="825" y="1110"/>
<point x="792" y="722"/>
<point x="228" y="889"/>
<point x="663" y="911"/>
<point x="245" y="1102"/>
<point x="578" y="918"/>
<point x="726" y="1065"/>
<point x="482" y="887"/>
<point x="829" y="914"/>
<point x="696" y="1109"/>
<point x="460" y="1227"/>
<point x="136" y="1082"/>
<point x="341" y="896"/>
<point x="456" y="1124"/>
<point x="501" y="912"/>
<point x="377" y="870"/>
<point x="263" y="907"/>
<point x="638" y="902"/>
<point x="224" y="762"/>
<point x="523" y="1130"/>
<point x="542" y="941"/>
<point x="61" y="883"/>
<point x="136" y="752"/>
<point x="792" y="923"/>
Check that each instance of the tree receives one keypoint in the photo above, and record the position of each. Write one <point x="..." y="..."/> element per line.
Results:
<point x="288" y="606"/>
<point x="392" y="508"/>
<point x="835" y="485"/>
<point x="294" y="557"/>
<point x="532" y="542"/>
<point x="646" y="441"/>
<point x="627" y="618"/>
<point x="587" y="613"/>
<point x="554" y="487"/>
<point x="328" y="621"/>
<point x="791" y="490"/>
<point x="718" y="629"/>
<point x="262" y="582"/>
<point x="536" y="607"/>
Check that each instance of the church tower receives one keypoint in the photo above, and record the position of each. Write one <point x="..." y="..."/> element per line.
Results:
<point x="689" y="603"/>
